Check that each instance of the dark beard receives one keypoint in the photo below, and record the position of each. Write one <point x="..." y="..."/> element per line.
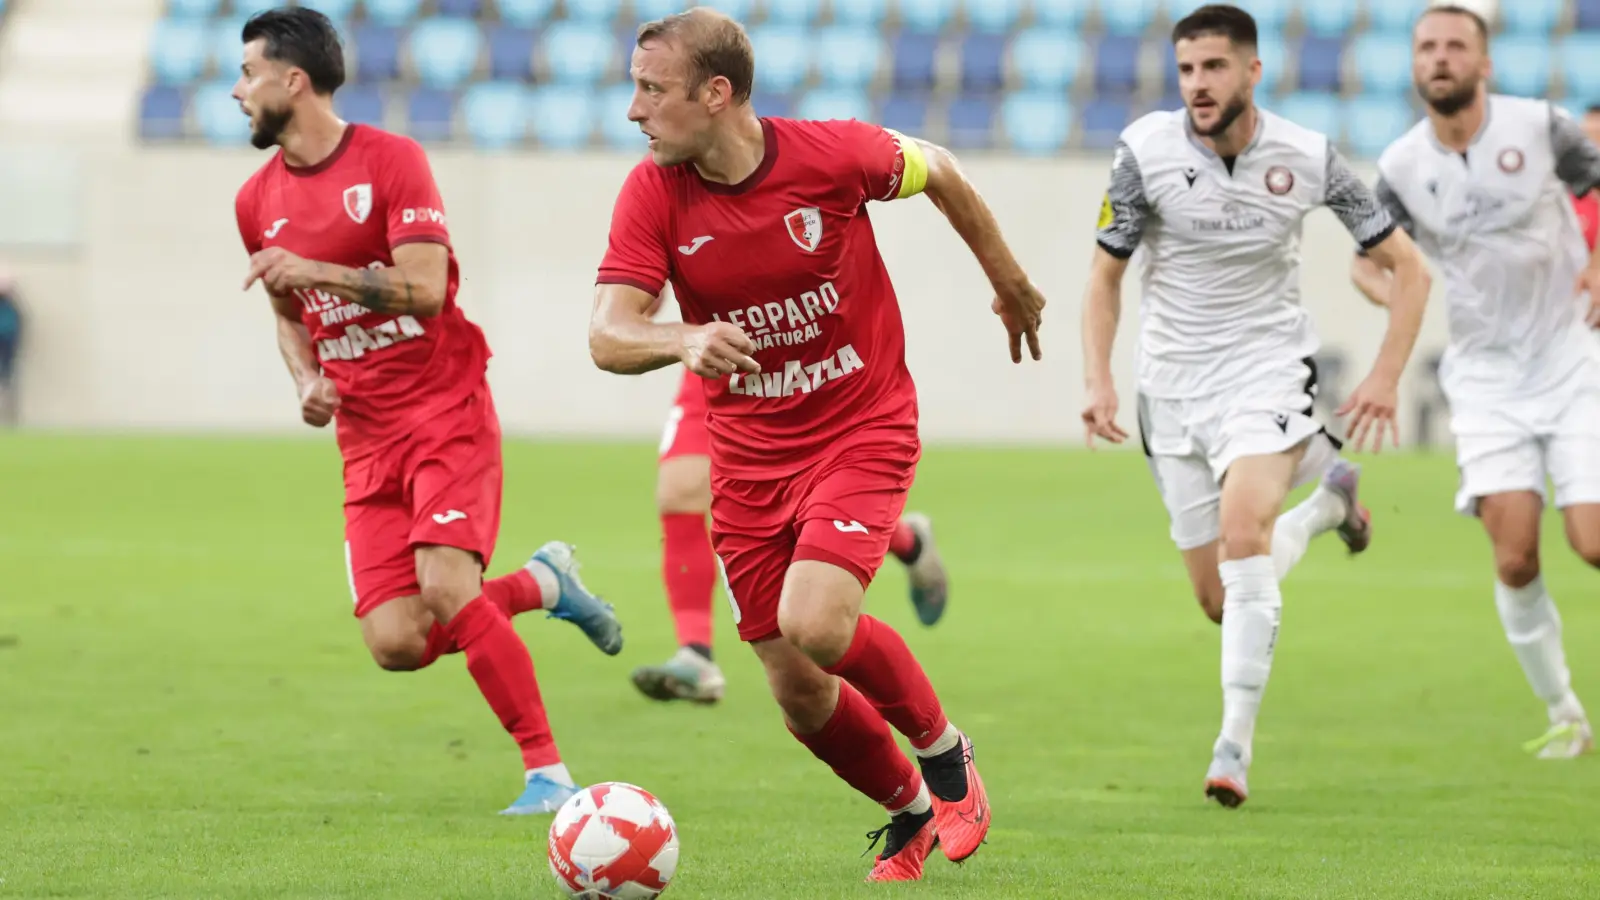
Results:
<point x="1230" y="114"/>
<point x="1451" y="103"/>
<point x="273" y="122"/>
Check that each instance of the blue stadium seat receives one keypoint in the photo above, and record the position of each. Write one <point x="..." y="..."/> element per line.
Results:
<point x="598" y="12"/>
<point x="1330" y="18"/>
<point x="337" y="10"/>
<point x="993" y="16"/>
<point x="1397" y="17"/>
<point x="226" y="49"/>
<point x="612" y="105"/>
<point x="983" y="62"/>
<point x="1321" y="64"/>
<point x="773" y="105"/>
<point x="1036" y="122"/>
<point x="905" y="112"/>
<point x="1578" y="56"/>
<point x="469" y="9"/>
<point x="650" y="10"/>
<point x="926" y="16"/>
<point x="834" y="103"/>
<point x="848" y="56"/>
<point x="217" y="114"/>
<point x="971" y="119"/>
<point x="377" y="53"/>
<point x="1116" y="64"/>
<point x="562" y="118"/>
<point x="444" y="51"/>
<point x="1536" y="17"/>
<point x="161" y="112"/>
<point x="783" y="57"/>
<point x="915" y="56"/>
<point x="187" y="9"/>
<point x="1103" y="121"/>
<point x="1274" y="55"/>
<point x="1522" y="64"/>
<point x="496" y="114"/>
<point x="1272" y="15"/>
<point x="430" y="114"/>
<point x="1588" y="15"/>
<point x="1311" y="109"/>
<point x="511" y="52"/>
<point x="524" y="13"/>
<point x="178" y="50"/>
<point x="391" y="12"/>
<point x="804" y="12"/>
<point x="1131" y="17"/>
<point x="578" y="53"/>
<point x="1383" y="63"/>
<point x="1372" y="123"/>
<point x="362" y="104"/>
<point x="1047" y="58"/>
<point x="1067" y="14"/>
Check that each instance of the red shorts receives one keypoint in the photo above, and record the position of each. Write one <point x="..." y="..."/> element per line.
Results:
<point x="685" y="433"/>
<point x="842" y="511"/>
<point x="441" y="485"/>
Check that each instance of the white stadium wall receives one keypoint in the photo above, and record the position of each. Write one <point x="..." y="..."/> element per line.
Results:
<point x="129" y="264"/>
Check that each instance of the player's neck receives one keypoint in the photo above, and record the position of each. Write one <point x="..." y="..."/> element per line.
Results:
<point x="1458" y="131"/>
<point x="736" y="153"/>
<point x="311" y="137"/>
<point x="1236" y="137"/>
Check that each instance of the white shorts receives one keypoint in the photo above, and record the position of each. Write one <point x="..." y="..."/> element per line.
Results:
<point x="1516" y="445"/>
<point x="1191" y="443"/>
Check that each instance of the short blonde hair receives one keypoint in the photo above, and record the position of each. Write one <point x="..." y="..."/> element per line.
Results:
<point x="717" y="45"/>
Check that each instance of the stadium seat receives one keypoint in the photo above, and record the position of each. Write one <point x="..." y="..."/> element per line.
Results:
<point x="217" y="114"/>
<point x="510" y="53"/>
<point x="1311" y="109"/>
<point x="578" y="53"/>
<point x="1272" y="15"/>
<point x="905" y="112"/>
<point x="360" y="103"/>
<point x="773" y="105"/>
<point x="161" y="112"/>
<point x="469" y="9"/>
<point x="805" y="12"/>
<point x="1274" y="55"/>
<point x="1116" y="64"/>
<point x="650" y="10"/>
<point x="187" y="9"/>
<point x="1321" y="62"/>
<point x="1530" y="17"/>
<point x="926" y="16"/>
<point x="391" y="12"/>
<point x="1372" y="123"/>
<point x="430" y="114"/>
<point x="834" y="103"/>
<point x="1329" y="18"/>
<point x="1578" y="58"/>
<point x="226" y="48"/>
<point x="915" y="57"/>
<point x="444" y="51"/>
<point x="1068" y="14"/>
<point x="496" y="114"/>
<point x="1382" y="63"/>
<point x="993" y="16"/>
<point x="178" y="51"/>
<point x="1396" y="17"/>
<point x="337" y="10"/>
<point x="1130" y="17"/>
<point x="1103" y="121"/>
<point x="377" y="53"/>
<point x="612" y="107"/>
<point x="1046" y="58"/>
<point x="1036" y="122"/>
<point x="1522" y="65"/>
<point x="983" y="62"/>
<point x="848" y="56"/>
<point x="1588" y="15"/>
<point x="563" y="118"/>
<point x="524" y="13"/>
<point x="971" y="118"/>
<point x="597" y="12"/>
<point x="784" y="53"/>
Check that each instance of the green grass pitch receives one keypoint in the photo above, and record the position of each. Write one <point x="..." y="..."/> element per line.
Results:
<point x="186" y="709"/>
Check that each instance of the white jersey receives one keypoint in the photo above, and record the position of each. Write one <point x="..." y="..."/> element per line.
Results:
<point x="1498" y="221"/>
<point x="1221" y="239"/>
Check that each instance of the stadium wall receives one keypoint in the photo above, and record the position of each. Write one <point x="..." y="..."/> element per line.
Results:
<point x="130" y="265"/>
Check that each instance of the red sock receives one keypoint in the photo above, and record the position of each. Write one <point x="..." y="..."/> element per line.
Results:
<point x="857" y="745"/>
<point x="500" y="664"/>
<point x="881" y="665"/>
<point x="516" y="593"/>
<point x="903" y="543"/>
<point x="689" y="570"/>
<point x="439" y="644"/>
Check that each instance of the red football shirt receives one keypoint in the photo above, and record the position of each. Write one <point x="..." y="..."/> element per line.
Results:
<point x="375" y="192"/>
<point x="1588" y="209"/>
<point x="789" y="256"/>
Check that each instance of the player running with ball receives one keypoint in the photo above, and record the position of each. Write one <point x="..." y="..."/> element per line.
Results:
<point x="790" y="315"/>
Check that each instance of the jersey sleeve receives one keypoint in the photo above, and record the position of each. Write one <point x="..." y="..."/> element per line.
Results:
<point x="636" y="251"/>
<point x="1577" y="160"/>
<point x="1125" y="208"/>
<point x="415" y="211"/>
<point x="891" y="165"/>
<point x="1356" y="205"/>
<point x="244" y="212"/>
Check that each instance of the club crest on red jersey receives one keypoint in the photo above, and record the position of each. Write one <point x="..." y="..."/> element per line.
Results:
<point x="805" y="228"/>
<point x="358" y="202"/>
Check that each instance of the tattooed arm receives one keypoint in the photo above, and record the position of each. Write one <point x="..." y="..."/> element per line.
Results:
<point x="414" y="286"/>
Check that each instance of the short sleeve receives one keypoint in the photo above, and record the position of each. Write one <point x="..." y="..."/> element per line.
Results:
<point x="1125" y="208"/>
<point x="415" y="211"/>
<point x="1355" y="204"/>
<point x="244" y="212"/>
<point x="1577" y="160"/>
<point x="892" y="166"/>
<point x="636" y="251"/>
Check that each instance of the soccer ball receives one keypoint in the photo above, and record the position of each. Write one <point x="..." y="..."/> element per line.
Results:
<point x="613" y="840"/>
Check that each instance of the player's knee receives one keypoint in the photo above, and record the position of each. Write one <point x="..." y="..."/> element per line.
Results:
<point x="397" y="652"/>
<point x="681" y="494"/>
<point x="1517" y="566"/>
<point x="807" y="698"/>
<point x="447" y="599"/>
<point x="1244" y="539"/>
<point x="820" y="633"/>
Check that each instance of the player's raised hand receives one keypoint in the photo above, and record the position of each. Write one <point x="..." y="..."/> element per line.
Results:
<point x="1100" y="415"/>
<point x="1021" y="309"/>
<point x="1372" y="410"/>
<point x="716" y="349"/>
<point x="280" y="270"/>
<point x="319" y="400"/>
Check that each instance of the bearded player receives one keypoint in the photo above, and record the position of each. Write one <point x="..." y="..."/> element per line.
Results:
<point x="346" y="231"/>
<point x="790" y="317"/>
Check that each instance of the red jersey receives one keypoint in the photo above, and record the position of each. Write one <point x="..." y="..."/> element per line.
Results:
<point x="1588" y="209"/>
<point x="375" y="192"/>
<point x="788" y="255"/>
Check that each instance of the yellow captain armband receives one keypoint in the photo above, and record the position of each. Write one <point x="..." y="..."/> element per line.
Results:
<point x="915" y="176"/>
<point x="1106" y="214"/>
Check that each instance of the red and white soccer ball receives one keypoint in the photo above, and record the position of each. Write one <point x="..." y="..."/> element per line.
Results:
<point x="613" y="840"/>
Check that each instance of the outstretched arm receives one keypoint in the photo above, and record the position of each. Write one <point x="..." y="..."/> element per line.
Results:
<point x="623" y="339"/>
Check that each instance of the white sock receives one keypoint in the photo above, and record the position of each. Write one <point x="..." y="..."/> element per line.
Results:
<point x="1251" y="607"/>
<point x="919" y="804"/>
<point x="1320" y="512"/>
<point x="557" y="773"/>
<point x="943" y="743"/>
<point x="549" y="583"/>
<point x="1533" y="628"/>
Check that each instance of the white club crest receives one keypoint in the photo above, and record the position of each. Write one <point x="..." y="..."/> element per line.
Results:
<point x="805" y="228"/>
<point x="358" y="202"/>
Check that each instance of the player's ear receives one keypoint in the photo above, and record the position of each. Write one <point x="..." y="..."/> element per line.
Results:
<point x="719" y="94"/>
